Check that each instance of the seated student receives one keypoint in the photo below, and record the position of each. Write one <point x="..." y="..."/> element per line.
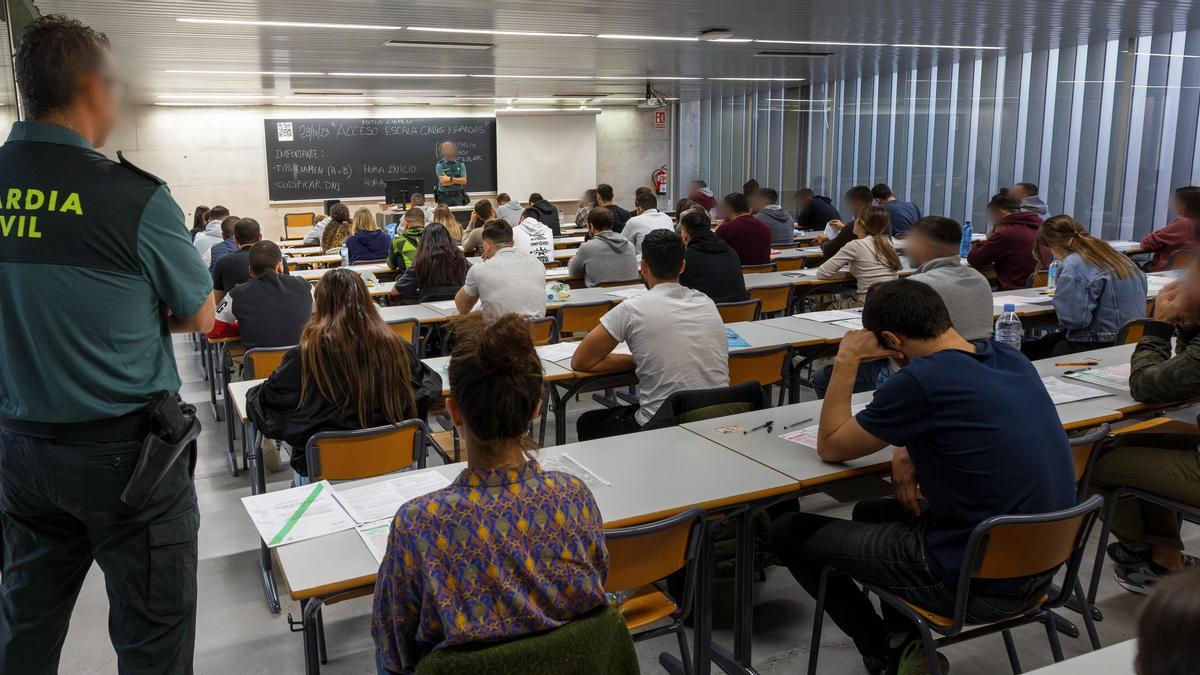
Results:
<point x="314" y="235"/>
<point x="750" y="187"/>
<point x="442" y="215"/>
<point x="417" y="201"/>
<point x="368" y="241"/>
<point x="604" y="199"/>
<point x="606" y="256"/>
<point x="903" y="214"/>
<point x="871" y="258"/>
<point x="228" y="243"/>
<point x="438" y="269"/>
<point x="404" y="245"/>
<point x="533" y="582"/>
<point x="339" y="217"/>
<point x="675" y="334"/>
<point x="481" y="213"/>
<point x="507" y="281"/>
<point x="1098" y="290"/>
<point x="587" y="203"/>
<point x="764" y="202"/>
<point x="271" y="308"/>
<point x="508" y="209"/>
<point x="1027" y="193"/>
<point x="712" y="267"/>
<point x="647" y="220"/>
<point x="1009" y="246"/>
<point x="1148" y="542"/>
<point x="1179" y="234"/>
<point x="683" y="206"/>
<point x="858" y="199"/>
<point x="813" y="211"/>
<point x="234" y="268"/>
<point x="211" y="236"/>
<point x="748" y="236"/>
<point x="702" y="195"/>
<point x="335" y="235"/>
<point x="547" y="212"/>
<point x="948" y="416"/>
<point x="199" y="222"/>
<point x="534" y="238"/>
<point x="1167" y="627"/>
<point x="348" y="372"/>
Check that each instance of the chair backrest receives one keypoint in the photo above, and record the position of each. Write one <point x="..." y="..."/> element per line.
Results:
<point x="296" y="225"/>
<point x="789" y="264"/>
<point x="1182" y="258"/>
<point x="765" y="366"/>
<point x="598" y="642"/>
<point x="544" y="331"/>
<point x="774" y="298"/>
<point x="582" y="318"/>
<point x="697" y="405"/>
<point x="1038" y="279"/>
<point x="1132" y="331"/>
<point x="261" y="362"/>
<point x="644" y="554"/>
<point x="758" y="269"/>
<point x="733" y="312"/>
<point x="1084" y="450"/>
<point x="348" y="455"/>
<point x="408" y="330"/>
<point x="636" y="281"/>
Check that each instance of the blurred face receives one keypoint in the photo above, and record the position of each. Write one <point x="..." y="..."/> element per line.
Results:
<point x="99" y="98"/>
<point x="724" y="212"/>
<point x="1178" y="207"/>
<point x="1019" y="192"/>
<point x="917" y="249"/>
<point x="758" y="202"/>
<point x="802" y="201"/>
<point x="449" y="150"/>
<point x="856" y="207"/>
<point x="418" y="200"/>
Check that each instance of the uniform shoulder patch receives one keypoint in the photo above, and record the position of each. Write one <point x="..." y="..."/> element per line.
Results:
<point x="138" y="170"/>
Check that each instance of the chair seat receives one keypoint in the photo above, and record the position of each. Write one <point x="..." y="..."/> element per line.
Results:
<point x="945" y="622"/>
<point x="445" y="441"/>
<point x="646" y="606"/>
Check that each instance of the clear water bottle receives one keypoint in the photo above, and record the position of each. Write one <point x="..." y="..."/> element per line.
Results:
<point x="1008" y="328"/>
<point x="345" y="256"/>
<point x="965" y="247"/>
<point x="1052" y="273"/>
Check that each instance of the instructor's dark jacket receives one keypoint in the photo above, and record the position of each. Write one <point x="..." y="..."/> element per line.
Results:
<point x="714" y="269"/>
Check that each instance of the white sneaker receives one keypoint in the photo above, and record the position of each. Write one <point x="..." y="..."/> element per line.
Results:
<point x="271" y="455"/>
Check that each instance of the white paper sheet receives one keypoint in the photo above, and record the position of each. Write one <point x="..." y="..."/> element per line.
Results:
<point x="852" y="324"/>
<point x="568" y="464"/>
<point x="557" y="352"/>
<point x="375" y="501"/>
<point x="1002" y="300"/>
<point x="297" y="514"/>
<point x="375" y="536"/>
<point x="443" y="305"/>
<point x="831" y="315"/>
<point x="627" y="293"/>
<point x="1066" y="392"/>
<point x="807" y="436"/>
<point x="1116" y="377"/>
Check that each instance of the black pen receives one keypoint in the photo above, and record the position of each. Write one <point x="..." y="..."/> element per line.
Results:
<point x="796" y="424"/>
<point x="765" y="425"/>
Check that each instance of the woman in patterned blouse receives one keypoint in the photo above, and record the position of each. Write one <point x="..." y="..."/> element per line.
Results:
<point x="507" y="549"/>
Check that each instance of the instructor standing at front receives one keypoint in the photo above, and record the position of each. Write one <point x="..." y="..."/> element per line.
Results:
<point x="96" y="272"/>
<point x="451" y="177"/>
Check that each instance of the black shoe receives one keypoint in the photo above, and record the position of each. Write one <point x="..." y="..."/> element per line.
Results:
<point x="1139" y="577"/>
<point x="876" y="665"/>
<point x="1121" y="554"/>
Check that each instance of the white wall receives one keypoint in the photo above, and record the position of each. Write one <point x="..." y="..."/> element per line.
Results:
<point x="216" y="155"/>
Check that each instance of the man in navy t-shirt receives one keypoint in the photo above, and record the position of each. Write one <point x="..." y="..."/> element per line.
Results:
<point x="973" y="428"/>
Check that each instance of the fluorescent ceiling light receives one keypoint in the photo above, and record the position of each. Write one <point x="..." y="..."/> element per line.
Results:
<point x="821" y="42"/>
<point x="197" y="104"/>
<point x="734" y="40"/>
<point x="439" y="45"/>
<point x="758" y="79"/>
<point x="674" y="38"/>
<point x="1169" y="56"/>
<point x="492" y="76"/>
<point x="545" y="110"/>
<point x="948" y="47"/>
<point x="216" y="96"/>
<point x="281" y="73"/>
<point x="645" y="77"/>
<point x="483" y="31"/>
<point x="411" y="75"/>
<point x="287" y="24"/>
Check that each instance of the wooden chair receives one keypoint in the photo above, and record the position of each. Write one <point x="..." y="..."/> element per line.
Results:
<point x="261" y="362"/>
<point x="697" y="405"/>
<point x="296" y="225"/>
<point x="617" y="284"/>
<point x="1039" y="279"/>
<point x="733" y="312"/>
<point x="768" y="366"/>
<point x="409" y="330"/>
<point x="1181" y="258"/>
<point x="789" y="264"/>
<point x="544" y="331"/>
<point x="1001" y="547"/>
<point x="775" y="299"/>
<point x="758" y="269"/>
<point x="364" y="453"/>
<point x="640" y="558"/>
<point x="1131" y="332"/>
<point x="576" y="319"/>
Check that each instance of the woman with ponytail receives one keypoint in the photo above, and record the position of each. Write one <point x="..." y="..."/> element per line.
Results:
<point x="507" y="549"/>
<point x="871" y="257"/>
<point x="1098" y="289"/>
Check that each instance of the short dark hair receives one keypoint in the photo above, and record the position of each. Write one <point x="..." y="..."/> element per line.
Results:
<point x="1190" y="197"/>
<point x="749" y="187"/>
<point x="882" y="191"/>
<point x="1031" y="188"/>
<point x="531" y="212"/>
<point x="859" y="193"/>
<point x="503" y="198"/>
<point x="604" y="191"/>
<point x="1167" y="625"/>
<point x="246" y="231"/>
<point x="1004" y="201"/>
<point x="498" y="232"/>
<point x="535" y="198"/>
<point x="55" y="51"/>
<point x="769" y="194"/>
<point x="700" y="183"/>
<point x="662" y="251"/>
<point x="483" y="208"/>
<point x="227" y="224"/>
<point x="736" y="202"/>
<point x="218" y="213"/>
<point x="905" y="307"/>
<point x="695" y="221"/>
<point x="601" y="219"/>
<point x="264" y="257"/>
<point x="642" y="190"/>
<point x="646" y="200"/>
<point x="939" y="229"/>
<point x="805" y="192"/>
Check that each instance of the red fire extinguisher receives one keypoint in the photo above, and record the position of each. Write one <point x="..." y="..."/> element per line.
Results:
<point x="659" y="178"/>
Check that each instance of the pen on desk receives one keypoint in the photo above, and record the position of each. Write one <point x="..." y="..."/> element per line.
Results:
<point x="765" y="425"/>
<point x="1079" y="363"/>
<point x="796" y="424"/>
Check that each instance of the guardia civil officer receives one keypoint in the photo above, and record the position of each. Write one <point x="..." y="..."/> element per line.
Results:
<point x="96" y="272"/>
<point x="451" y="176"/>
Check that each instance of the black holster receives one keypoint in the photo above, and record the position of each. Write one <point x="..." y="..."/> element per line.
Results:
<point x="175" y="429"/>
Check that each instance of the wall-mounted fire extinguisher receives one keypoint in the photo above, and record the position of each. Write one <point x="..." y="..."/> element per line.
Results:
<point x="659" y="178"/>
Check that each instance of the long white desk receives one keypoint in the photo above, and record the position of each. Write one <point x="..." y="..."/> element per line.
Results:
<point x="1112" y="660"/>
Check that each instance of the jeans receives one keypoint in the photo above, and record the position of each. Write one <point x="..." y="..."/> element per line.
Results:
<point x="60" y="509"/>
<point x="883" y="546"/>
<point x="608" y="422"/>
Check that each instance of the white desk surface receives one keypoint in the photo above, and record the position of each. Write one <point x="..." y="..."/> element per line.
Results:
<point x="1112" y="660"/>
<point x="1109" y="356"/>
<point x="551" y="371"/>
<point x="322" y="260"/>
<point x="825" y="331"/>
<point x="237" y="396"/>
<point x="653" y="475"/>
<point x="760" y="334"/>
<point x="294" y="243"/>
<point x="568" y="241"/>
<point x="315" y="275"/>
<point x="294" y="251"/>
<point x="422" y="313"/>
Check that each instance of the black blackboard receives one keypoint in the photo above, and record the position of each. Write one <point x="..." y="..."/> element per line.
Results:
<point x="318" y="159"/>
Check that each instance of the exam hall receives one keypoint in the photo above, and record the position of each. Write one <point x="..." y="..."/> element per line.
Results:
<point x="595" y="338"/>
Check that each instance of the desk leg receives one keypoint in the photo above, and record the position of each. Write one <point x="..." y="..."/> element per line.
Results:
<point x="702" y="609"/>
<point x="258" y="485"/>
<point x="560" y="415"/>
<point x="221" y="377"/>
<point x="743" y="620"/>
<point x="312" y="657"/>
<point x="230" y="436"/>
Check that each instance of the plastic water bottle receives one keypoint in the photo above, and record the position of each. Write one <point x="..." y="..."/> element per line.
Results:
<point x="1052" y="273"/>
<point x="1008" y="328"/>
<point x="345" y="256"/>
<point x="965" y="247"/>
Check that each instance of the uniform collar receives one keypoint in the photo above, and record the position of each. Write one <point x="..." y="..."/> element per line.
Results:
<point x="498" y="477"/>
<point x="39" y="132"/>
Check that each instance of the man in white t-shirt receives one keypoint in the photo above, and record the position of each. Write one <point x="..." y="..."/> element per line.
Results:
<point x="647" y="220"/>
<point x="675" y="335"/>
<point x="507" y="281"/>
<point x="534" y="238"/>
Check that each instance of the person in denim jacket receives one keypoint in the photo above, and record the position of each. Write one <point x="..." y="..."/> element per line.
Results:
<point x="1098" y="290"/>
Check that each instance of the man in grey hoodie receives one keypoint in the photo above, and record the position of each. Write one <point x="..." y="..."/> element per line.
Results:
<point x="507" y="209"/>
<point x="606" y="256"/>
<point x="1027" y="194"/>
<point x="211" y="236"/>
<point x="764" y="201"/>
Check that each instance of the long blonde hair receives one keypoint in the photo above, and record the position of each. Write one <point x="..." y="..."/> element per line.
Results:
<point x="442" y="215"/>
<point x="1067" y="234"/>
<point x="364" y="220"/>
<point x="876" y="224"/>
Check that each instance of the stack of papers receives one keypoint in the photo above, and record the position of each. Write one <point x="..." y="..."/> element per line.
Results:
<point x="807" y="436"/>
<point x="569" y="465"/>
<point x="444" y="305"/>
<point x="831" y="315"/>
<point x="627" y="293"/>
<point x="1116" y="377"/>
<point x="852" y="324"/>
<point x="379" y="500"/>
<point x="1064" y="392"/>
<point x="735" y="341"/>
<point x="557" y="352"/>
<point x="1002" y="300"/>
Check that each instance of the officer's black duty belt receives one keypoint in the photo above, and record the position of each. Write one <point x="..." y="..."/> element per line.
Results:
<point x="132" y="427"/>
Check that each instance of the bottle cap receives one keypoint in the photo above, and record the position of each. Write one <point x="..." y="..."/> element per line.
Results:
<point x="1010" y="308"/>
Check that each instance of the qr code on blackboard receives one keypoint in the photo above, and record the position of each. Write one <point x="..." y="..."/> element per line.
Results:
<point x="285" y="131"/>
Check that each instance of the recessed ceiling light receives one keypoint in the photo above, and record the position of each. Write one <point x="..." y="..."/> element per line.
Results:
<point x="820" y="42"/>
<point x="483" y="31"/>
<point x="439" y="45"/>
<point x="398" y="75"/>
<point x="914" y="46"/>
<point x="217" y="97"/>
<point x="287" y="24"/>
<point x="279" y="73"/>
<point x="676" y="38"/>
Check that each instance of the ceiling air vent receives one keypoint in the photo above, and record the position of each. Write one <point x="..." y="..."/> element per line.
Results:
<point x="773" y="53"/>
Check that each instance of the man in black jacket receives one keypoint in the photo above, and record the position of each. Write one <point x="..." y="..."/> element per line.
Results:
<point x="604" y="198"/>
<point x="710" y="265"/>
<point x="858" y="198"/>
<point x="813" y="211"/>
<point x="548" y="213"/>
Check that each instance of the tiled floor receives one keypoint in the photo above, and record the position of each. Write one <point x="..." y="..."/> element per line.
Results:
<point x="236" y="633"/>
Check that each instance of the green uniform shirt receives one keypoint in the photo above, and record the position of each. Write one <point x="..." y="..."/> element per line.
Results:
<point x="453" y="168"/>
<point x="92" y="253"/>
